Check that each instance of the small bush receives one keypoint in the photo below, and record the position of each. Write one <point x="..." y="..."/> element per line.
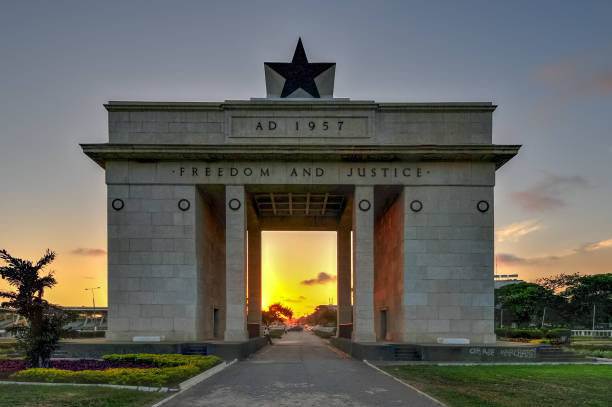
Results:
<point x="276" y="333"/>
<point x="155" y="377"/>
<point x="168" y="370"/>
<point x="520" y="333"/>
<point x="325" y="334"/>
<point x="170" y="360"/>
<point x="84" y="334"/>
<point x="598" y="346"/>
<point x="598" y="353"/>
<point x="559" y="336"/>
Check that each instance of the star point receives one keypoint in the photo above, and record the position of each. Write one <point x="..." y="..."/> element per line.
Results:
<point x="299" y="74"/>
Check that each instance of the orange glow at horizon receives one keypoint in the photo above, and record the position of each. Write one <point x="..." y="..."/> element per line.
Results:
<point x="291" y="258"/>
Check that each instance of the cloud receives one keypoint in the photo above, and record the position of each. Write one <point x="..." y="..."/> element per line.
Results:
<point x="546" y="194"/>
<point x="558" y="71"/>
<point x="585" y="73"/>
<point x="508" y="258"/>
<point x="322" y="278"/>
<point x="295" y="300"/>
<point x="81" y="251"/>
<point x="512" y="259"/>
<point x="603" y="244"/>
<point x="599" y="83"/>
<point x="515" y="231"/>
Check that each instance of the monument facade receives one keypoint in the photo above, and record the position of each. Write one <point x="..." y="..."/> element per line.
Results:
<point x="192" y="185"/>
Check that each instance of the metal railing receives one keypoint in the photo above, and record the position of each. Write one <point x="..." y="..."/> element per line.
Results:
<point x="595" y="333"/>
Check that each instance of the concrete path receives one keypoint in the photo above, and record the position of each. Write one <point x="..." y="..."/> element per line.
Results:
<point x="299" y="370"/>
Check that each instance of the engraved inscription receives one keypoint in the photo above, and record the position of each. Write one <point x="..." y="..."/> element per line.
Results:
<point x="307" y="127"/>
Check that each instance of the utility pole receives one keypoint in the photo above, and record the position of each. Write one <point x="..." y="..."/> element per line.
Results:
<point x="593" y="317"/>
<point x="93" y="299"/>
<point x="501" y="318"/>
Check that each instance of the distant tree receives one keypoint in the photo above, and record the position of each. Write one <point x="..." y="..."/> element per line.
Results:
<point x="525" y="302"/>
<point x="581" y="293"/>
<point x="39" y="336"/>
<point x="586" y="292"/>
<point x="276" y="312"/>
<point x="327" y="317"/>
<point x="559" y="282"/>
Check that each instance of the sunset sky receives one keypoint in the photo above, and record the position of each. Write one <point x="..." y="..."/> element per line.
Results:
<point x="547" y="64"/>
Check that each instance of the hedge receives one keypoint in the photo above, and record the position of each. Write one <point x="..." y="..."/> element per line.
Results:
<point x="325" y="334"/>
<point x="169" y="370"/>
<point x="156" y="377"/>
<point x="168" y="360"/>
<point x="84" y="334"/>
<point x="276" y="333"/>
<point x="558" y="335"/>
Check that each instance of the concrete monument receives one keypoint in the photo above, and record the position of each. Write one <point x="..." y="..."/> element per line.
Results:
<point x="192" y="185"/>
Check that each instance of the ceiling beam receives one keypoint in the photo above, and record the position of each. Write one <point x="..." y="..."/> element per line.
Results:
<point x="273" y="204"/>
<point x="324" y="204"/>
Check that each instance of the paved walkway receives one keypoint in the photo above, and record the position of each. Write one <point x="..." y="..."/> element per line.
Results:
<point x="299" y="370"/>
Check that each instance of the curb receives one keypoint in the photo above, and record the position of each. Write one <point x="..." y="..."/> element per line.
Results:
<point x="438" y="402"/>
<point x="339" y="352"/>
<point x="195" y="380"/>
<point x="181" y="387"/>
<point x="112" y="386"/>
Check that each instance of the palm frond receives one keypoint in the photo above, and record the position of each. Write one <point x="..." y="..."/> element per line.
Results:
<point x="48" y="257"/>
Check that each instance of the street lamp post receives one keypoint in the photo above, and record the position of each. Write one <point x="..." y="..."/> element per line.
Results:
<point x="93" y="299"/>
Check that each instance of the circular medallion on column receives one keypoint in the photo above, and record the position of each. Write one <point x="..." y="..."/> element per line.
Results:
<point x="184" y="205"/>
<point x="117" y="204"/>
<point x="416" y="205"/>
<point x="482" y="206"/>
<point x="365" y="205"/>
<point x="234" y="204"/>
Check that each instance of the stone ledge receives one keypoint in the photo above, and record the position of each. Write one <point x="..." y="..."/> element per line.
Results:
<point x="499" y="154"/>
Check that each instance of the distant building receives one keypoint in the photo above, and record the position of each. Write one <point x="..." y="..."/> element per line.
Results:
<point x="506" y="279"/>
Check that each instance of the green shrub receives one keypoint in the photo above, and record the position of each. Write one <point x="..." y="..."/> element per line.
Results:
<point x="559" y="335"/>
<point x="155" y="377"/>
<point x="520" y="333"/>
<point x="598" y="353"/>
<point x="170" y="360"/>
<point x="324" y="334"/>
<point x="169" y="370"/>
<point x="84" y="334"/>
<point x="276" y="333"/>
<point x="597" y="346"/>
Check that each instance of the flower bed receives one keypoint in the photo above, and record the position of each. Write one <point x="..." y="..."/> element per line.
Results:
<point x="9" y="366"/>
<point x="130" y="369"/>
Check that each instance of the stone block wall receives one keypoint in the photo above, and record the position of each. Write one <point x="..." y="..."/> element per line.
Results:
<point x="448" y="264"/>
<point x="152" y="270"/>
<point x="395" y="125"/>
<point x="366" y="122"/>
<point x="210" y="240"/>
<point x="389" y="271"/>
<point x="203" y="126"/>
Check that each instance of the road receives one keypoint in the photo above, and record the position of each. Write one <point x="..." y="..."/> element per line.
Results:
<point x="299" y="370"/>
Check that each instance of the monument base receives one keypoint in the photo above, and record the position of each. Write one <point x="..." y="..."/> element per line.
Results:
<point x="97" y="348"/>
<point x="500" y="352"/>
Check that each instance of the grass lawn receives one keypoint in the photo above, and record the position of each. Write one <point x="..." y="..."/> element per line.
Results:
<point x="15" y="395"/>
<point x="534" y="386"/>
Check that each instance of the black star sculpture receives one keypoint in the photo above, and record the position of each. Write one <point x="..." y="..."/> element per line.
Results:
<point x="299" y="74"/>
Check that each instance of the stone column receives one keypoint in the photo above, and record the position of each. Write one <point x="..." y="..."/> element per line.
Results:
<point x="235" y="264"/>
<point x="343" y="239"/>
<point x="363" y="264"/>
<point x="254" y="270"/>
